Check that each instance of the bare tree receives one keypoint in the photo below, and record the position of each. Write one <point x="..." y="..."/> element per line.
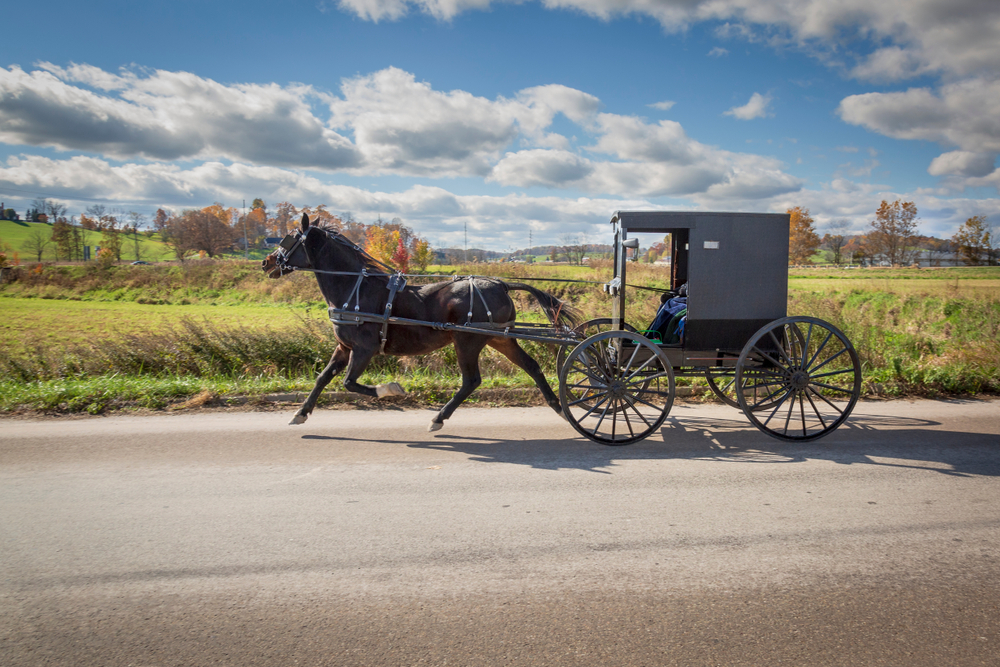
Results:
<point x="135" y="221"/>
<point x="836" y="237"/>
<point x="38" y="241"/>
<point x="54" y="210"/>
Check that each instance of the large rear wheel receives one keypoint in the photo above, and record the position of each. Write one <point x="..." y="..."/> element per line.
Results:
<point x="801" y="378"/>
<point x="616" y="387"/>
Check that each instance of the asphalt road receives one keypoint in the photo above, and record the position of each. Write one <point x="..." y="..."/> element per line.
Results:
<point x="361" y="539"/>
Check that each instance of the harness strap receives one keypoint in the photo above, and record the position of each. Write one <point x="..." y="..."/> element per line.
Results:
<point x="396" y="283"/>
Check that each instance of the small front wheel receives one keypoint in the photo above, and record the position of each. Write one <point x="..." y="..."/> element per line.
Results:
<point x="616" y="387"/>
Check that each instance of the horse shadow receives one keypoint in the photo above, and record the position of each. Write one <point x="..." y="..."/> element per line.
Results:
<point x="869" y="439"/>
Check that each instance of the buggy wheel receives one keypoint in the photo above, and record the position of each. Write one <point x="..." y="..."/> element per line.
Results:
<point x="584" y="331"/>
<point x="616" y="387"/>
<point x="801" y="378"/>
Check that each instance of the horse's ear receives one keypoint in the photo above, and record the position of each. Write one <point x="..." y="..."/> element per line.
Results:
<point x="305" y="222"/>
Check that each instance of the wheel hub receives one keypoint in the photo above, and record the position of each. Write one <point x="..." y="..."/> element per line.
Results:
<point x="800" y="380"/>
<point x="616" y="389"/>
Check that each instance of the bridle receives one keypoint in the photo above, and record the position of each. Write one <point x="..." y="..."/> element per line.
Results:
<point x="283" y="253"/>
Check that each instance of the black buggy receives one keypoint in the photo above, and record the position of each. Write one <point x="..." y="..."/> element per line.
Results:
<point x="795" y="378"/>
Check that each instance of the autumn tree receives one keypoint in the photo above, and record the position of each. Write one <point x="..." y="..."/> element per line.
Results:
<point x="199" y="231"/>
<point x="284" y="218"/>
<point x="381" y="243"/>
<point x="891" y="233"/>
<point x="160" y="219"/>
<point x="974" y="240"/>
<point x="62" y="236"/>
<point x="401" y="256"/>
<point x="802" y="237"/>
<point x="422" y="254"/>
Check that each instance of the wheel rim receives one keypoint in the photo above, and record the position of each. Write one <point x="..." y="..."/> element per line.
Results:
<point x="616" y="387"/>
<point x="801" y="378"/>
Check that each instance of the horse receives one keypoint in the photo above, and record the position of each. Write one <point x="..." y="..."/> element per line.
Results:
<point x="353" y="281"/>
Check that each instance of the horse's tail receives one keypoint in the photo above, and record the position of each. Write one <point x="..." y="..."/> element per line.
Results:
<point x="558" y="311"/>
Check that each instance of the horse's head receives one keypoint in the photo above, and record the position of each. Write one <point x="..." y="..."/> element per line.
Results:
<point x="290" y="254"/>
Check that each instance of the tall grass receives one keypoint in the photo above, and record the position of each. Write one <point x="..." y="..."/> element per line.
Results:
<point x="910" y="343"/>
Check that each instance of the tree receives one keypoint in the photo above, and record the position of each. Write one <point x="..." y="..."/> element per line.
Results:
<point x="802" y="237"/>
<point x="136" y="220"/>
<point x="38" y="240"/>
<point x="973" y="240"/>
<point x="892" y="231"/>
<point x="160" y="219"/>
<point x="401" y="257"/>
<point x="381" y="243"/>
<point x="285" y="214"/>
<point x="422" y="254"/>
<point x="62" y="236"/>
<point x="836" y="238"/>
<point x="111" y="241"/>
<point x="54" y="210"/>
<point x="200" y="231"/>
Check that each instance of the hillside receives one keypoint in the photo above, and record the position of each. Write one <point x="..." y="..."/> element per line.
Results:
<point x="17" y="232"/>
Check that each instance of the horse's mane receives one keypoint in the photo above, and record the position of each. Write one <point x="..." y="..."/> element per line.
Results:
<point x="367" y="261"/>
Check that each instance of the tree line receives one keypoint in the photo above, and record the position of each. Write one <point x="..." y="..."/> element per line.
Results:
<point x="891" y="238"/>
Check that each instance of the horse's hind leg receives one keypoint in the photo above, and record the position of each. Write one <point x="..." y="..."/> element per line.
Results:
<point x="467" y="349"/>
<point x="337" y="363"/>
<point x="509" y="348"/>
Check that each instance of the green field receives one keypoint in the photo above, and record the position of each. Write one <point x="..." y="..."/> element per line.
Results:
<point x="16" y="233"/>
<point x="82" y="338"/>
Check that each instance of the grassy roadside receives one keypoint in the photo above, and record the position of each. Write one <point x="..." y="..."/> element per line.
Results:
<point x="79" y="340"/>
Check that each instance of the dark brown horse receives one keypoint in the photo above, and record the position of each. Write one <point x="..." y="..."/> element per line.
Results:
<point x="485" y="302"/>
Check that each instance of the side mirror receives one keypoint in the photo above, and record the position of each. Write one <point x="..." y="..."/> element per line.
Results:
<point x="631" y="243"/>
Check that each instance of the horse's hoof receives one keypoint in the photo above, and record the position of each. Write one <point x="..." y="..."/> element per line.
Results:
<point x="298" y="419"/>
<point x="435" y="426"/>
<point x="390" y="389"/>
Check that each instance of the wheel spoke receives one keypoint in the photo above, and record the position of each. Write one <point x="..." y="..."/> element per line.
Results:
<point x="843" y="350"/>
<point x="780" y="347"/>
<point x="802" y="413"/>
<point x="788" y="417"/>
<point x="823" y="398"/>
<point x="815" y="410"/>
<point x="594" y="407"/>
<point x="829" y="334"/>
<point x="764" y="354"/>
<point x="644" y="364"/>
<point x="601" y="420"/>
<point x="824" y="375"/>
<point x="833" y="388"/>
<point x="647" y="379"/>
<point x="777" y="407"/>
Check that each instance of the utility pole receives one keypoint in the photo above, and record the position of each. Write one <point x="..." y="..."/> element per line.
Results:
<point x="529" y="246"/>
<point x="246" y="239"/>
<point x="465" y="252"/>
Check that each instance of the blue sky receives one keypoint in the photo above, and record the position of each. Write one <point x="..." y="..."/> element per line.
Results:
<point x="506" y="117"/>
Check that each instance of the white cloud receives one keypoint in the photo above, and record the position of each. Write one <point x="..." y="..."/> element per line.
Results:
<point x="383" y="123"/>
<point x="963" y="163"/>
<point x="718" y="52"/>
<point x="665" y="105"/>
<point x="959" y="114"/>
<point x="167" y="116"/>
<point x="757" y="107"/>
<point x="894" y="38"/>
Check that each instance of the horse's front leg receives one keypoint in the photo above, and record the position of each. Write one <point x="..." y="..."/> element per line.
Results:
<point x="361" y="356"/>
<point x="338" y="362"/>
